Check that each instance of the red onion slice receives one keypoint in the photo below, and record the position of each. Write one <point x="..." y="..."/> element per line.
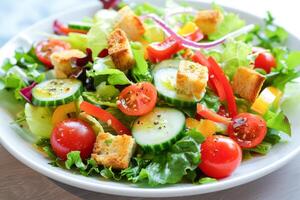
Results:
<point x="26" y="92"/>
<point x="192" y="44"/>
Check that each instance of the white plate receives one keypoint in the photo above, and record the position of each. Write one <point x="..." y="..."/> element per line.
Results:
<point x="18" y="144"/>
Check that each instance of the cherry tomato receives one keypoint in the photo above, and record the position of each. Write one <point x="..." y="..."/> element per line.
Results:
<point x="45" y="48"/>
<point x="265" y="61"/>
<point x="72" y="135"/>
<point x="158" y="52"/>
<point x="220" y="156"/>
<point x="137" y="99"/>
<point x="248" y="130"/>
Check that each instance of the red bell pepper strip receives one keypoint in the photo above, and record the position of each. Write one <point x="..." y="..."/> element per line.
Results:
<point x="60" y="29"/>
<point x="219" y="74"/>
<point x="159" y="51"/>
<point x="195" y="36"/>
<point x="104" y="116"/>
<point x="208" y="114"/>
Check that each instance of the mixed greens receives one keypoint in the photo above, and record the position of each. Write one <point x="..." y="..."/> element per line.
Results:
<point x="155" y="95"/>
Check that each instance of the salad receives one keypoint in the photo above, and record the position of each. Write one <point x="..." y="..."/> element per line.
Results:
<point x="154" y="95"/>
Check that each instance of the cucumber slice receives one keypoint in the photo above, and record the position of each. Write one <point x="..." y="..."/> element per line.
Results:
<point x="159" y="129"/>
<point x="80" y="26"/>
<point x="56" y="92"/>
<point x="165" y="83"/>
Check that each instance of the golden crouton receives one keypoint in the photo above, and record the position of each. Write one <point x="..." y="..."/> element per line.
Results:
<point x="62" y="62"/>
<point x="120" y="51"/>
<point x="191" y="79"/>
<point x="113" y="151"/>
<point x="247" y="83"/>
<point x="208" y="20"/>
<point x="130" y="24"/>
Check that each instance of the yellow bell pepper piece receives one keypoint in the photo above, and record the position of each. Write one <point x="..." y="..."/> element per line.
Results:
<point x="188" y="28"/>
<point x="270" y="96"/>
<point x="61" y="112"/>
<point x="204" y="126"/>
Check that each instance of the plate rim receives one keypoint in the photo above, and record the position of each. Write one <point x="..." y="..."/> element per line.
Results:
<point x="139" y="191"/>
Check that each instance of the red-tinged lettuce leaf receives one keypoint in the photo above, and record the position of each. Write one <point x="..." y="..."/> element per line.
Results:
<point x="26" y="92"/>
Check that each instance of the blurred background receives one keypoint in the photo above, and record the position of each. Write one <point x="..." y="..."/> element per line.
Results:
<point x="15" y="15"/>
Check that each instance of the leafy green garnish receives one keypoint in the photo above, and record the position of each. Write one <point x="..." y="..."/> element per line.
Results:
<point x="140" y="71"/>
<point x="230" y="23"/>
<point x="211" y="101"/>
<point x="103" y="69"/>
<point x="263" y="148"/>
<point x="172" y="165"/>
<point x="273" y="136"/>
<point x="235" y="54"/>
<point x="278" y="121"/>
<point x="20" y="71"/>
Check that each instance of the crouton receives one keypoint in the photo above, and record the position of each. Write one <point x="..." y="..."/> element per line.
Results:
<point x="191" y="79"/>
<point x="62" y="62"/>
<point x="120" y="51"/>
<point x="247" y="83"/>
<point x="113" y="151"/>
<point x="208" y="20"/>
<point x="130" y="24"/>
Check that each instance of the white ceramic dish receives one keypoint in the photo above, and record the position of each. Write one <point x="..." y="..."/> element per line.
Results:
<point x="18" y="144"/>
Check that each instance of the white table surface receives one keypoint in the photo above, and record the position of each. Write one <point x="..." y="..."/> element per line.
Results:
<point x="19" y="182"/>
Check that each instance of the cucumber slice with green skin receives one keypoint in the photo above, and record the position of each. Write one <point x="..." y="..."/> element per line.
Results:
<point x="80" y="26"/>
<point x="165" y="83"/>
<point x="159" y="129"/>
<point x="55" y="92"/>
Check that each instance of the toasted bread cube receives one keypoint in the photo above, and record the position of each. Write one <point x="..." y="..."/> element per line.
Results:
<point x="113" y="151"/>
<point x="208" y="20"/>
<point x="247" y="83"/>
<point x="120" y="51"/>
<point x="191" y="79"/>
<point x="62" y="62"/>
<point x="131" y="24"/>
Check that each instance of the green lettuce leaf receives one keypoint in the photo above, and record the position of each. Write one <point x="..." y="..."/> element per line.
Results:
<point x="278" y="121"/>
<point x="263" y="148"/>
<point x="104" y="69"/>
<point x="273" y="136"/>
<point x="211" y="101"/>
<point x="172" y="165"/>
<point x="235" y="54"/>
<point x="230" y="23"/>
<point x="77" y="40"/>
<point x="140" y="71"/>
<point x="147" y="8"/>
<point x="97" y="37"/>
<point x="20" y="70"/>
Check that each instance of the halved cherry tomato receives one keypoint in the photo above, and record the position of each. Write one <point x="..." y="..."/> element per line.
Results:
<point x="158" y="52"/>
<point x="220" y="156"/>
<point x="45" y="48"/>
<point x="209" y="114"/>
<point x="248" y="130"/>
<point x="265" y="61"/>
<point x="137" y="99"/>
<point x="104" y="116"/>
<point x="72" y="135"/>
